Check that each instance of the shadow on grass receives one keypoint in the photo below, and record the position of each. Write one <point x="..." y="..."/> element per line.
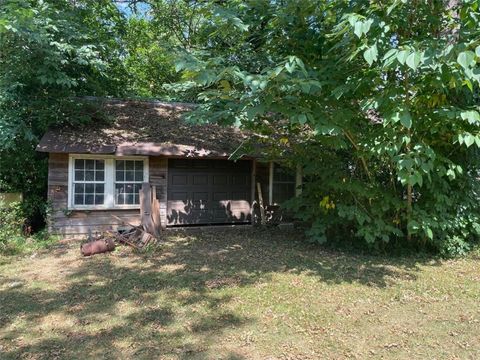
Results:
<point x="187" y="273"/>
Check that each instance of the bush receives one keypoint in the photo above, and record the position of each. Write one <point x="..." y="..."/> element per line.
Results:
<point x="12" y="220"/>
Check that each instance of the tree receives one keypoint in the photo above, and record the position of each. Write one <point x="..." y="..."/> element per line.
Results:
<point x="51" y="52"/>
<point x="378" y="101"/>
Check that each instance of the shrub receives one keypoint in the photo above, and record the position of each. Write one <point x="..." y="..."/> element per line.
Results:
<point x="12" y="220"/>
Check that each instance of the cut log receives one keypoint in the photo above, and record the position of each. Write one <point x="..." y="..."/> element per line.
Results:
<point x="97" y="247"/>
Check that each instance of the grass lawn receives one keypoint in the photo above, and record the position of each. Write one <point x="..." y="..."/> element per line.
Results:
<point x="237" y="294"/>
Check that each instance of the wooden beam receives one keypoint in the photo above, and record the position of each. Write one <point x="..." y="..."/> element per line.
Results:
<point x="260" y="202"/>
<point x="253" y="180"/>
<point x="270" y="183"/>
<point x="146" y="208"/>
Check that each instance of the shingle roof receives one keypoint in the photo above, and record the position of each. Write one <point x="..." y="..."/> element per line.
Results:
<point x="144" y="128"/>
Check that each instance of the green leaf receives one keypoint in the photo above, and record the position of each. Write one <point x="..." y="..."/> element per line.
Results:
<point x="477" y="51"/>
<point x="390" y="53"/>
<point x="429" y="233"/>
<point x="390" y="57"/>
<point x="402" y="56"/>
<point x="302" y="118"/>
<point x="466" y="59"/>
<point x="413" y="60"/>
<point x="451" y="174"/>
<point x="469" y="139"/>
<point x="406" y="119"/>
<point x="358" y="29"/>
<point x="471" y="116"/>
<point x="468" y="83"/>
<point x="413" y="226"/>
<point x="371" y="54"/>
<point x="366" y="26"/>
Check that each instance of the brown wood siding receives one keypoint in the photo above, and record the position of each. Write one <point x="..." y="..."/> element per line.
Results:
<point x="77" y="223"/>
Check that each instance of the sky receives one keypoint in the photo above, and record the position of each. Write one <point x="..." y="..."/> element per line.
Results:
<point x="142" y="9"/>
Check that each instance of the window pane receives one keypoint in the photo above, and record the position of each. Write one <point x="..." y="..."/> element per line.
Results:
<point x="120" y="176"/>
<point x="78" y="199"/>
<point x="99" y="188"/>
<point x="99" y="164"/>
<point x="129" y="165"/>
<point x="120" y="165"/>
<point x="99" y="175"/>
<point x="79" y="188"/>
<point x="127" y="193"/>
<point x="120" y="199"/>
<point x="79" y="175"/>
<point x="99" y="199"/>
<point x="139" y="176"/>
<point x="89" y="175"/>
<point x="129" y="199"/>
<point x="89" y="199"/>
<point x="90" y="164"/>
<point x="79" y="164"/>
<point x="283" y="174"/>
<point x="129" y="175"/>
<point x="139" y="165"/>
<point x="89" y="188"/>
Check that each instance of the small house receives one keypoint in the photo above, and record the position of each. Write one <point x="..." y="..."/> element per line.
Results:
<point x="97" y="170"/>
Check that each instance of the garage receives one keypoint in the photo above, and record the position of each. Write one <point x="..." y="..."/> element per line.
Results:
<point x="208" y="192"/>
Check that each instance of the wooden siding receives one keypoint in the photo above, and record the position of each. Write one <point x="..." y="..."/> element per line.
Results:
<point x="77" y="223"/>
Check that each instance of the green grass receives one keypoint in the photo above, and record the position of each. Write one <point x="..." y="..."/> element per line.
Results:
<point x="237" y="294"/>
<point x="23" y="245"/>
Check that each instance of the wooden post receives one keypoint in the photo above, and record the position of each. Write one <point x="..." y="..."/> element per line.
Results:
<point x="146" y="208"/>
<point x="270" y="183"/>
<point x="156" y="212"/>
<point x="260" y="202"/>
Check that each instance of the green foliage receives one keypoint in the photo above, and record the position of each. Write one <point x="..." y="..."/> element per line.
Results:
<point x="14" y="236"/>
<point x="150" y="60"/>
<point x="52" y="51"/>
<point x="12" y="221"/>
<point x="381" y="100"/>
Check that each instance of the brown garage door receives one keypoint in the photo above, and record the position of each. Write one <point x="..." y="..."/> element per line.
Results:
<point x="208" y="191"/>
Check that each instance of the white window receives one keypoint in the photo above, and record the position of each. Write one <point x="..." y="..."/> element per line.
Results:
<point x="88" y="182"/>
<point x="105" y="182"/>
<point x="128" y="181"/>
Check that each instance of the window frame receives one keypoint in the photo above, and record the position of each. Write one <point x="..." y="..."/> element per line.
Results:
<point x="296" y="182"/>
<point x="109" y="191"/>
<point x="125" y="182"/>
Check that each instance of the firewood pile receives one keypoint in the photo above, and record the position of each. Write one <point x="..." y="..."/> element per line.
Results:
<point x="137" y="236"/>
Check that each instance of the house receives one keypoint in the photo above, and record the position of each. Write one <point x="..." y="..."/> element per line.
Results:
<point x="96" y="170"/>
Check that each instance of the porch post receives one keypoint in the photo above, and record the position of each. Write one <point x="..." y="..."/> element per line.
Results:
<point x="270" y="184"/>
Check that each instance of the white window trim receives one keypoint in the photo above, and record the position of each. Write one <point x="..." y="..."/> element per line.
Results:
<point x="109" y="181"/>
